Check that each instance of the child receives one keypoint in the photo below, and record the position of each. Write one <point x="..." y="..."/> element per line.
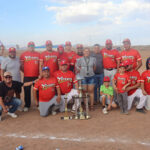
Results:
<point x="106" y="92"/>
<point x="120" y="82"/>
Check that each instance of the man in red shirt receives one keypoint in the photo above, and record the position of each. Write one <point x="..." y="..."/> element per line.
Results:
<point x="30" y="67"/>
<point x="70" y="53"/>
<point x="66" y="79"/>
<point x="132" y="54"/>
<point x="145" y="83"/>
<point x="111" y="60"/>
<point x="46" y="87"/>
<point x="120" y="82"/>
<point x="49" y="58"/>
<point x="133" y="89"/>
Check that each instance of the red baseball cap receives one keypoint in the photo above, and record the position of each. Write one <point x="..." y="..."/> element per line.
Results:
<point x="64" y="62"/>
<point x="79" y="46"/>
<point x="68" y="43"/>
<point x="122" y="65"/>
<point x="126" y="40"/>
<point x="12" y="49"/>
<point x="48" y="42"/>
<point x="128" y="62"/>
<point x="31" y="44"/>
<point x="106" y="79"/>
<point x="60" y="48"/>
<point x="108" y="41"/>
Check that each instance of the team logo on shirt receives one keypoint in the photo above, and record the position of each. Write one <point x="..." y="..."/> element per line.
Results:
<point x="122" y="79"/>
<point x="46" y="86"/>
<point x="127" y="57"/>
<point x="62" y="79"/>
<point x="148" y="79"/>
<point x="108" y="55"/>
<point x="133" y="79"/>
<point x="50" y="57"/>
<point x="29" y="58"/>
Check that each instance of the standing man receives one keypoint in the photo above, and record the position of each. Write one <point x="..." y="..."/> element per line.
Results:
<point x="30" y="67"/>
<point x="99" y="72"/>
<point x="66" y="79"/>
<point x="11" y="64"/>
<point x="1" y="56"/>
<point x="134" y="88"/>
<point x="132" y="54"/>
<point x="86" y="66"/>
<point x="49" y="58"/>
<point x="111" y="60"/>
<point x="70" y="53"/>
<point x="46" y="87"/>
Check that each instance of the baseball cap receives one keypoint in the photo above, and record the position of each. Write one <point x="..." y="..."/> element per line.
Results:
<point x="64" y="62"/>
<point x="45" y="68"/>
<point x="79" y="46"/>
<point x="31" y="44"/>
<point x="126" y="40"/>
<point x="127" y="62"/>
<point x="122" y="65"/>
<point x="7" y="74"/>
<point x="108" y="41"/>
<point x="12" y="49"/>
<point x="68" y="43"/>
<point x="106" y="79"/>
<point x="48" y="42"/>
<point x="60" y="47"/>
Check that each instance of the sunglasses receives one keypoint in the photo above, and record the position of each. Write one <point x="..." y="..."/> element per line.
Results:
<point x="8" y="77"/>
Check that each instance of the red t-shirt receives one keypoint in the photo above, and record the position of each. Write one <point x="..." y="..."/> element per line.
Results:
<point x="132" y="54"/>
<point x="70" y="55"/>
<point x="63" y="56"/>
<point x="50" y="59"/>
<point x="46" y="88"/>
<point x="135" y="78"/>
<point x="145" y="78"/>
<point x="74" y="59"/>
<point x="121" y="80"/>
<point x="31" y="63"/>
<point x="110" y="58"/>
<point x="65" y="80"/>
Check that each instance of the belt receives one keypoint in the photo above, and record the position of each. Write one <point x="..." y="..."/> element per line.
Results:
<point x="109" y="69"/>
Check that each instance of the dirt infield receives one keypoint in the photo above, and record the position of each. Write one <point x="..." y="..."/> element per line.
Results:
<point x="102" y="132"/>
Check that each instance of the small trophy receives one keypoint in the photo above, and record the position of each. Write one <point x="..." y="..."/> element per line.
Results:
<point x="66" y="117"/>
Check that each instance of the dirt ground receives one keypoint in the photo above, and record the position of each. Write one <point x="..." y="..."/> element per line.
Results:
<point x="102" y="132"/>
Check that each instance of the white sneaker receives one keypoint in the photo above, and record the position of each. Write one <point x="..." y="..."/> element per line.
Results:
<point x="54" y="113"/>
<point x="13" y="115"/>
<point x="105" y="111"/>
<point x="25" y="109"/>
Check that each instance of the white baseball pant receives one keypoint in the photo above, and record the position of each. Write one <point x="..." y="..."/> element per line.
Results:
<point x="72" y="93"/>
<point x="138" y="93"/>
<point x="110" y="74"/>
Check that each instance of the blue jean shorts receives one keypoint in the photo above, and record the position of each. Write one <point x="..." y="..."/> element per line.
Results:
<point x="88" y="80"/>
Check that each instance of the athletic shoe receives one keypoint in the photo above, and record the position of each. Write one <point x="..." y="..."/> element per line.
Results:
<point x="25" y="109"/>
<point x="13" y="115"/>
<point x="141" y="110"/>
<point x="54" y="113"/>
<point x="126" y="113"/>
<point x="105" y="111"/>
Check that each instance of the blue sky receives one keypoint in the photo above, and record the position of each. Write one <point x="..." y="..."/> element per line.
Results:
<point x="80" y="21"/>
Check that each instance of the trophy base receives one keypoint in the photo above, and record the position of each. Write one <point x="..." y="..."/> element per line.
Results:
<point x="66" y="118"/>
<point x="82" y="117"/>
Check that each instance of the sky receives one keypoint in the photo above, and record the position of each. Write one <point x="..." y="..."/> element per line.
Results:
<point x="79" y="21"/>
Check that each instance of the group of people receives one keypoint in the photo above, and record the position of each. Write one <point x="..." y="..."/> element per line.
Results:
<point x="109" y="76"/>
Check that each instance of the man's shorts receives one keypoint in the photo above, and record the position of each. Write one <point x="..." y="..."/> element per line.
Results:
<point x="107" y="101"/>
<point x="88" y="80"/>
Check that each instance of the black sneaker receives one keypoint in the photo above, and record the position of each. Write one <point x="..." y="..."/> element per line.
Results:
<point x="141" y="110"/>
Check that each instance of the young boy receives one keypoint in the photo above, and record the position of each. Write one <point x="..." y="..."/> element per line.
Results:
<point x="120" y="82"/>
<point x="106" y="92"/>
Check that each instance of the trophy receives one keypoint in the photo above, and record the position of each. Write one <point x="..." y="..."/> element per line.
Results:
<point x="81" y="114"/>
<point x="66" y="117"/>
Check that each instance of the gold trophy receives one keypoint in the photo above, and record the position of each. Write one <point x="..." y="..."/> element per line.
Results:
<point x="66" y="117"/>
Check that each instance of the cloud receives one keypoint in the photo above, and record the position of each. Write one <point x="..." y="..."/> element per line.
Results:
<point x="83" y="11"/>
